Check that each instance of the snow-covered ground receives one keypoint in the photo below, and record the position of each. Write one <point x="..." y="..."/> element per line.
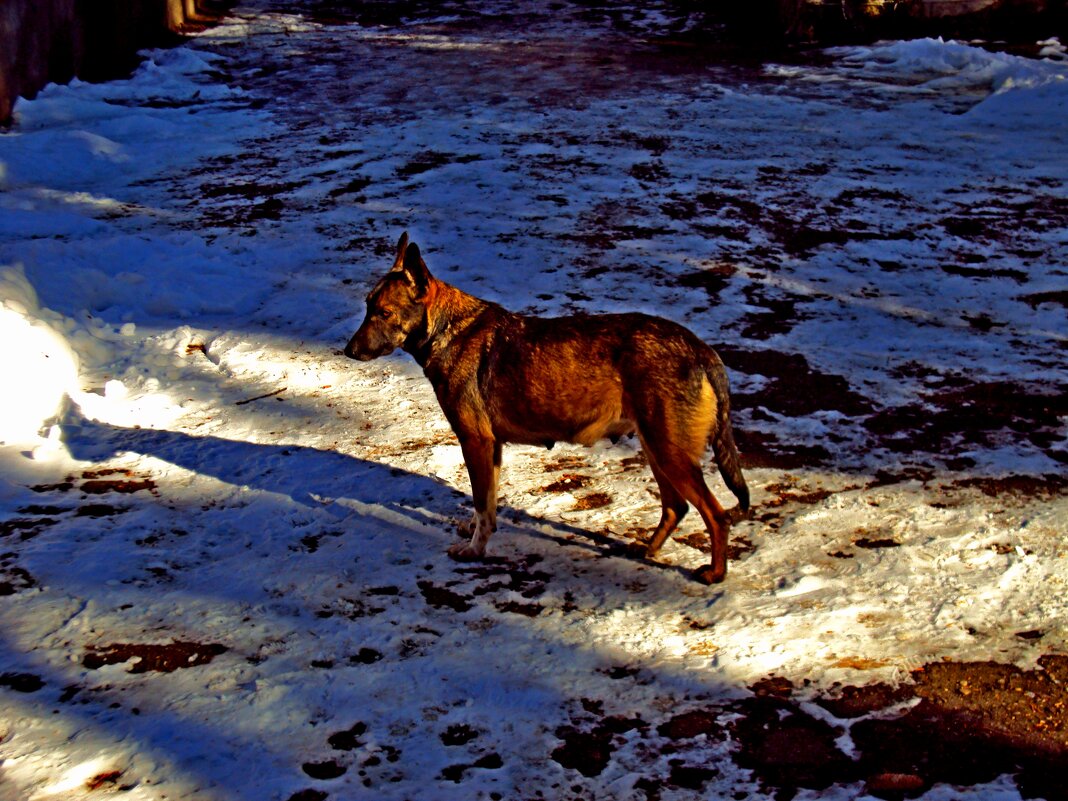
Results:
<point x="875" y="241"/>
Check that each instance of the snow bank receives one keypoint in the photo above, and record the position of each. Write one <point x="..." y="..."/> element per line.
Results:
<point x="38" y="366"/>
<point x="76" y="170"/>
<point x="1016" y="85"/>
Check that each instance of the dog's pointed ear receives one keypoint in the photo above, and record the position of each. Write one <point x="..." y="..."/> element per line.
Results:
<point x="402" y="245"/>
<point x="415" y="268"/>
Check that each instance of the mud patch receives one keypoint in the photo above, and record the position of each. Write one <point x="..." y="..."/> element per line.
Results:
<point x="517" y="608"/>
<point x="779" y="315"/>
<point x="1044" y="487"/>
<point x="794" y="387"/>
<point x="100" y="486"/>
<point x="309" y="795"/>
<point x="1054" y="298"/>
<point x="458" y="734"/>
<point x="443" y="598"/>
<point x="13" y="579"/>
<point x="589" y="751"/>
<point x="324" y="771"/>
<point x="348" y="740"/>
<point x="759" y="449"/>
<point x="565" y="463"/>
<point x="26" y="527"/>
<point x="713" y="279"/>
<point x="157" y="658"/>
<point x="21" y="682"/>
<point x="505" y="575"/>
<point x="968" y="724"/>
<point x="691" y="724"/>
<point x="99" y="510"/>
<point x="786" y="748"/>
<point x="430" y="160"/>
<point x="964" y="415"/>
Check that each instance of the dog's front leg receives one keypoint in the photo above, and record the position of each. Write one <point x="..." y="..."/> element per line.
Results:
<point x="483" y="459"/>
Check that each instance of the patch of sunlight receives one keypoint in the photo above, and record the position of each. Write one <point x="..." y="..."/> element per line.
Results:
<point x="39" y="370"/>
<point x="79" y="777"/>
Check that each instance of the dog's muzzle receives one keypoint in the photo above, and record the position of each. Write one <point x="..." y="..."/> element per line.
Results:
<point x="352" y="353"/>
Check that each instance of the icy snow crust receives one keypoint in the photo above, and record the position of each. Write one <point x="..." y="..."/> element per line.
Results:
<point x="182" y="262"/>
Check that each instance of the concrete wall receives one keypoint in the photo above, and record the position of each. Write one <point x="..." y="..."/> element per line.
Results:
<point x="52" y="41"/>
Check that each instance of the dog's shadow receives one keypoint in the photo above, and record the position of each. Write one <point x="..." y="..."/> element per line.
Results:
<point x="318" y="478"/>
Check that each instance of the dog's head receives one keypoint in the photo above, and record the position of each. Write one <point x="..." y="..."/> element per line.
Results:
<point x="395" y="307"/>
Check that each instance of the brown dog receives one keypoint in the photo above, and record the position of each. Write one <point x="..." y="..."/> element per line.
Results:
<point x="503" y="377"/>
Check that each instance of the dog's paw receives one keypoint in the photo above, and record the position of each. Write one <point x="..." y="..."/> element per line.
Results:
<point x="636" y="550"/>
<point x="464" y="552"/>
<point x="707" y="574"/>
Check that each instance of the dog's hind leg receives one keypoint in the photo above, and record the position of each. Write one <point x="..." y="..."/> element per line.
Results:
<point x="483" y="459"/>
<point x="674" y="507"/>
<point x="690" y="482"/>
<point x="675" y="452"/>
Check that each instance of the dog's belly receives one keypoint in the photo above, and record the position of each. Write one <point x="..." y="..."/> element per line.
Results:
<point x="548" y="435"/>
<point x="576" y="411"/>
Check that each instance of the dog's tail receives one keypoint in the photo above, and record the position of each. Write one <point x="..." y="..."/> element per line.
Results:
<point x="722" y="438"/>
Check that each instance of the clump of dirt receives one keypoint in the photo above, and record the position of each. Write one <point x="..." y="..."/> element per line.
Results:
<point x="593" y="500"/>
<point x="99" y="482"/>
<point x="787" y="492"/>
<point x="348" y="740"/>
<point x="324" y="771"/>
<point x="110" y="777"/>
<point x="159" y="658"/>
<point x="569" y="482"/>
<point x="518" y="608"/>
<point x="62" y="486"/>
<point x="873" y="543"/>
<point x="365" y="656"/>
<point x="565" y="463"/>
<point x="458" y="734"/>
<point x="310" y="542"/>
<point x="309" y="795"/>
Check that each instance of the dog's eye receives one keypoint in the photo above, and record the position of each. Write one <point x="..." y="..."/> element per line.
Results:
<point x="385" y="314"/>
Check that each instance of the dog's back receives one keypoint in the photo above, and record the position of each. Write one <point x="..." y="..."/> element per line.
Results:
<point x="583" y="378"/>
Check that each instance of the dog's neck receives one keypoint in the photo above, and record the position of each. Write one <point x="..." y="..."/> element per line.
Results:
<point x="449" y="311"/>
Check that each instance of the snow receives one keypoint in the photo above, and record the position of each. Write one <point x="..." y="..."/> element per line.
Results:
<point x="299" y="505"/>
